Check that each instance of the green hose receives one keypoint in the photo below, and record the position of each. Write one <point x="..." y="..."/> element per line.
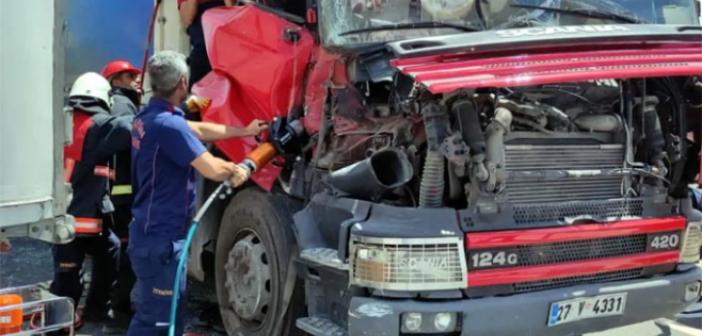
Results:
<point x="184" y="254"/>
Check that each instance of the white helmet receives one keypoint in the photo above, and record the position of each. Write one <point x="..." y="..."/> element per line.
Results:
<point x="91" y="85"/>
<point x="447" y="9"/>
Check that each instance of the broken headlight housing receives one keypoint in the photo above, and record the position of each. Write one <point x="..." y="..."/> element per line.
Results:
<point x="690" y="252"/>
<point x="413" y="264"/>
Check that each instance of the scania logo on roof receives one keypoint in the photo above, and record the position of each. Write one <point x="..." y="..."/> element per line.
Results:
<point x="541" y="31"/>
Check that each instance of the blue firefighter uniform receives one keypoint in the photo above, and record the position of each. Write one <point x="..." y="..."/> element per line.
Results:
<point x="97" y="137"/>
<point x="163" y="148"/>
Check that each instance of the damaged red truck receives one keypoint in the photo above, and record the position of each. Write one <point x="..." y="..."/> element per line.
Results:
<point x="456" y="167"/>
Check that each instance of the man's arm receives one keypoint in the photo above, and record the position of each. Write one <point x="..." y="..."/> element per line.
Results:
<point x="188" y="10"/>
<point x="210" y="132"/>
<point x="116" y="137"/>
<point x="213" y="167"/>
<point x="220" y="170"/>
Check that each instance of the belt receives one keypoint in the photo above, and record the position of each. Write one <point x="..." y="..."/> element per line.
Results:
<point x="88" y="226"/>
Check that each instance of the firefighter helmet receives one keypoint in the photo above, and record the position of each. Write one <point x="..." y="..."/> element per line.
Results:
<point x="91" y="85"/>
<point x="119" y="66"/>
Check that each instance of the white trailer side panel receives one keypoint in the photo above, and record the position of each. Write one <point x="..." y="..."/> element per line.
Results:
<point x="32" y="131"/>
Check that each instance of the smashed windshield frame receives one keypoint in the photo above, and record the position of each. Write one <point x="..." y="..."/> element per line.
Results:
<point x="380" y="21"/>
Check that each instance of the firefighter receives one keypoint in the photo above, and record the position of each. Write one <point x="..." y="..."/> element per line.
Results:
<point x="97" y="136"/>
<point x="191" y="17"/>
<point x="122" y="76"/>
<point x="166" y="152"/>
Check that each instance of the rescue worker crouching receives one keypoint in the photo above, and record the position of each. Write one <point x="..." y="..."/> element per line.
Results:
<point x="166" y="152"/>
<point x="97" y="136"/>
<point x="126" y="100"/>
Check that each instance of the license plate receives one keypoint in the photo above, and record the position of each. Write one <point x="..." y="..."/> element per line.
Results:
<point x="585" y="308"/>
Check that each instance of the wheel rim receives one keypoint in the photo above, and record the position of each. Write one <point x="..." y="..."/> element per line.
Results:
<point x="248" y="279"/>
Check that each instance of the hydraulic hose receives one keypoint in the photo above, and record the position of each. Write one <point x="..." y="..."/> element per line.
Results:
<point x="149" y="39"/>
<point x="184" y="254"/>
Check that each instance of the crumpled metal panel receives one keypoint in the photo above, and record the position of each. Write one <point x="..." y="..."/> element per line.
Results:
<point x="258" y="74"/>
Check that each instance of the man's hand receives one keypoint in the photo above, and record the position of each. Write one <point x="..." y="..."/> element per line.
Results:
<point x="240" y="176"/>
<point x="213" y="167"/>
<point x="255" y="127"/>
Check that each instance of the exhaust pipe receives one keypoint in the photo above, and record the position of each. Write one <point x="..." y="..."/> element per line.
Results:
<point x="368" y="179"/>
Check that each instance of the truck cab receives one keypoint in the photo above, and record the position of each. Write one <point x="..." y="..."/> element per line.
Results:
<point x="461" y="167"/>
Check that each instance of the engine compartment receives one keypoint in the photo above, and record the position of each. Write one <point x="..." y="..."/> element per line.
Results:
<point x="588" y="151"/>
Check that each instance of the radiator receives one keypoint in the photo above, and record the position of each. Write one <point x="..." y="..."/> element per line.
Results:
<point x="537" y="198"/>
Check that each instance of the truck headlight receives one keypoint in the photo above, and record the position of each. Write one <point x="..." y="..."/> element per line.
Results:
<point x="408" y="264"/>
<point x="690" y="252"/>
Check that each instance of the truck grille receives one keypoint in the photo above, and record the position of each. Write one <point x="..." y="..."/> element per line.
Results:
<point x="577" y="280"/>
<point x="572" y="251"/>
<point x="509" y="261"/>
<point x="581" y="250"/>
<point x="525" y="214"/>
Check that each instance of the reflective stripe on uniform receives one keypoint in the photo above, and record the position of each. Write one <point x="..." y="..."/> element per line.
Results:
<point x="122" y="189"/>
<point x="104" y="171"/>
<point x="86" y="225"/>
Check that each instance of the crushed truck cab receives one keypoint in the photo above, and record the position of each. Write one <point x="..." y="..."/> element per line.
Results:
<point x="488" y="169"/>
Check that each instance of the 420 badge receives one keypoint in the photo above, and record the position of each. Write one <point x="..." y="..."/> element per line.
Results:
<point x="585" y="308"/>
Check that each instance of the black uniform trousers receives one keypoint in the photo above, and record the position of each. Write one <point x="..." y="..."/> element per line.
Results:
<point x="68" y="263"/>
<point x="121" y="296"/>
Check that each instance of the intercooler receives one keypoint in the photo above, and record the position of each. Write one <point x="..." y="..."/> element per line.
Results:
<point x="569" y="179"/>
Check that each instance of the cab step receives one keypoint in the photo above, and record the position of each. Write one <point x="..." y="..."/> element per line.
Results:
<point x="325" y="257"/>
<point x="319" y="326"/>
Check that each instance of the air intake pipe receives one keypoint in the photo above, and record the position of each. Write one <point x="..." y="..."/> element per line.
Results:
<point x="655" y="140"/>
<point x="384" y="170"/>
<point x="495" y="156"/>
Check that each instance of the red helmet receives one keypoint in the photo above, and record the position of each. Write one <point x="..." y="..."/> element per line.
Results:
<point x="118" y="66"/>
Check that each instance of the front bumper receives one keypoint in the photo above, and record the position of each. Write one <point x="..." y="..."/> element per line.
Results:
<point x="526" y="314"/>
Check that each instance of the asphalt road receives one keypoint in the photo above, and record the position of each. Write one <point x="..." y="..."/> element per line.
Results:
<point x="29" y="262"/>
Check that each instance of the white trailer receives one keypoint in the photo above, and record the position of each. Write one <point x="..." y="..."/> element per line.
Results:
<point x="33" y="132"/>
<point x="33" y="125"/>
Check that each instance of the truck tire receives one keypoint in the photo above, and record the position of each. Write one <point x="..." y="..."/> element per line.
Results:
<point x="255" y="246"/>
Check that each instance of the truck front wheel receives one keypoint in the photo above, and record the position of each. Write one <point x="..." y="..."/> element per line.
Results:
<point x="253" y="253"/>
